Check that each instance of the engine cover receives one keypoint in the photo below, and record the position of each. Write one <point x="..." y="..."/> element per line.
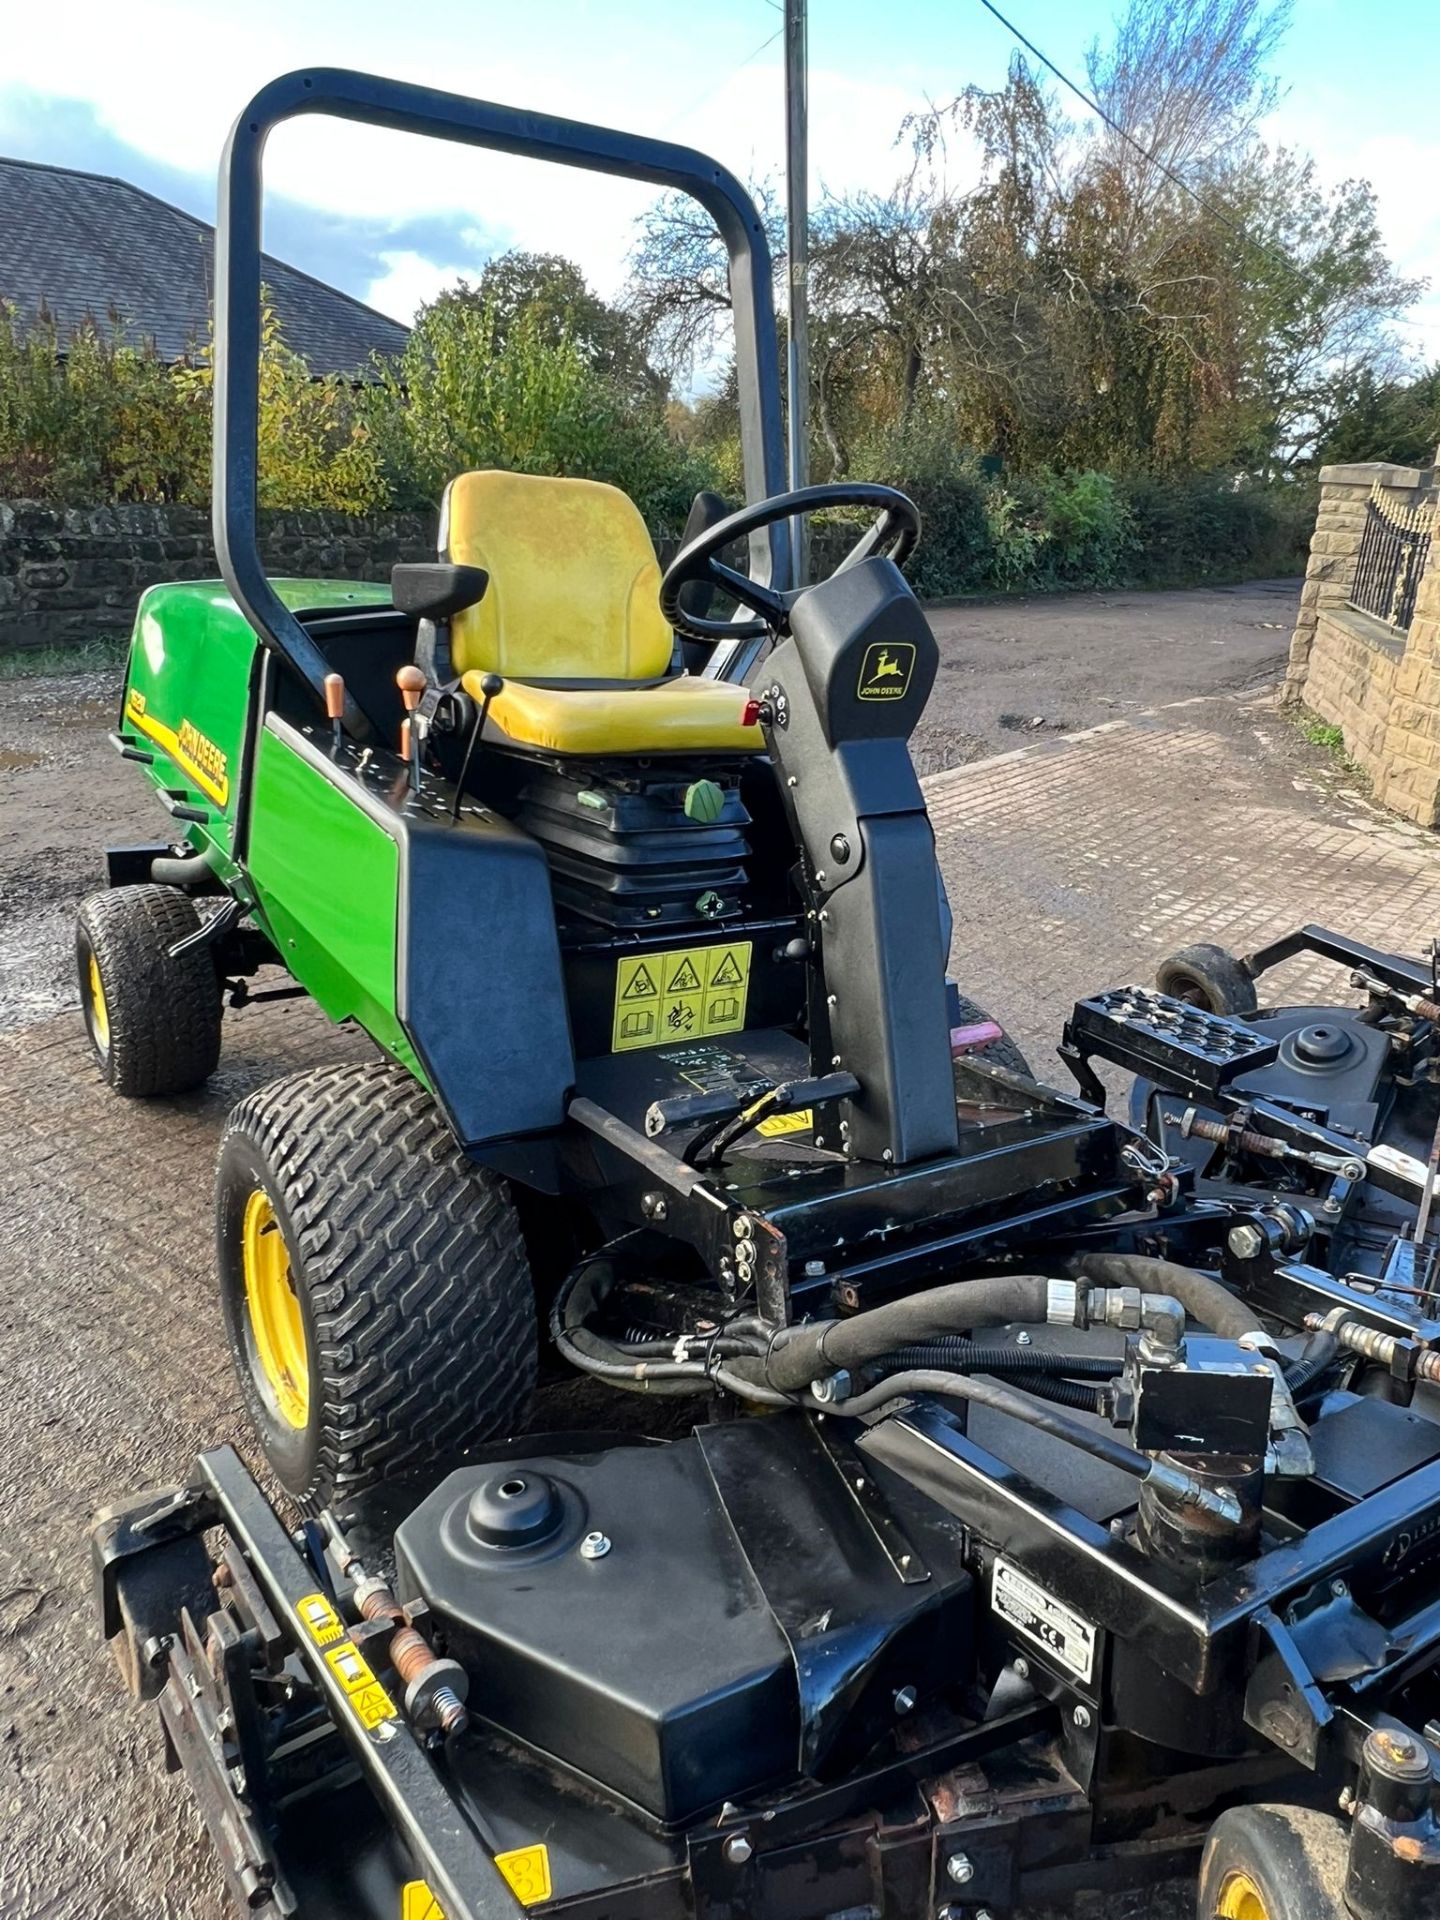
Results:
<point x="684" y="1624"/>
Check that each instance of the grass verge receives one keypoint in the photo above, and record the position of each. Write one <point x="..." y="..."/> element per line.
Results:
<point x="35" y="663"/>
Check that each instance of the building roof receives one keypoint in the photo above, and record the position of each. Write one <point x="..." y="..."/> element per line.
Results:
<point x="84" y="245"/>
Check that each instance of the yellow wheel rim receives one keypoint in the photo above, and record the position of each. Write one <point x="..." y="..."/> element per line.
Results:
<point x="1240" y="1899"/>
<point x="277" y="1326"/>
<point x="99" y="1015"/>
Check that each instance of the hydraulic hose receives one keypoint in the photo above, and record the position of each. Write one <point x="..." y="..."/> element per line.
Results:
<point x="1084" y="1395"/>
<point x="1321" y="1350"/>
<point x="803" y="1354"/>
<point x="958" y="1355"/>
<point x="636" y="1370"/>
<point x="1202" y="1297"/>
<point x="1220" y="1501"/>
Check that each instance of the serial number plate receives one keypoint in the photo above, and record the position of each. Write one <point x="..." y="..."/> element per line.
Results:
<point x="1045" y="1621"/>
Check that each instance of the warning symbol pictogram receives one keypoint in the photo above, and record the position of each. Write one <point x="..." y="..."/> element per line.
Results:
<point x="704" y="991"/>
<point x="727" y="974"/>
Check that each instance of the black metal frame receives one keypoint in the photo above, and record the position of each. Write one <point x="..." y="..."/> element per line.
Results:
<point x="1388" y="567"/>
<point x="375" y="101"/>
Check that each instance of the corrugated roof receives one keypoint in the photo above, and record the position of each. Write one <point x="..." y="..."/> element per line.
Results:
<point x="83" y="244"/>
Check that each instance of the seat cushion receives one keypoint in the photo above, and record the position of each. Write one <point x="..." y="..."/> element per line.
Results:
<point x="574" y="582"/>
<point x="677" y="716"/>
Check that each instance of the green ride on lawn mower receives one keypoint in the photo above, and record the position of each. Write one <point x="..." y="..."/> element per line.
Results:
<point x="1014" y="1499"/>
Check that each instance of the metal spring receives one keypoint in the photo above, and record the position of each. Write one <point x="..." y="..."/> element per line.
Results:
<point x="411" y="1655"/>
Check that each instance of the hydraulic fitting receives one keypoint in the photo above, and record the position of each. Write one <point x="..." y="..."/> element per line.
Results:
<point x="1187" y="1490"/>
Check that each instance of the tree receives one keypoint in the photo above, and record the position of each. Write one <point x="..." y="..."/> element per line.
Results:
<point x="1163" y="292"/>
<point x="475" y="389"/>
<point x="678" y="293"/>
<point x="1386" y="420"/>
<point x="552" y="296"/>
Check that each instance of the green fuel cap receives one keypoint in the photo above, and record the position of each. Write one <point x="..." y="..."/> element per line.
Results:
<point x="704" y="802"/>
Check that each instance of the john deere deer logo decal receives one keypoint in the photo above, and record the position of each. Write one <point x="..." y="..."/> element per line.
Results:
<point x="885" y="671"/>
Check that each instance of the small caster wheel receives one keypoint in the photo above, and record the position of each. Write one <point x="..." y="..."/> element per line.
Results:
<point x="1207" y="977"/>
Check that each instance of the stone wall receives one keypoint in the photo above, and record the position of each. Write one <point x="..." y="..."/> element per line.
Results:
<point x="1379" y="685"/>
<point x="72" y="575"/>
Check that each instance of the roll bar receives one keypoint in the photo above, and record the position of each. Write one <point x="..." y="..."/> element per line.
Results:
<point x="478" y="123"/>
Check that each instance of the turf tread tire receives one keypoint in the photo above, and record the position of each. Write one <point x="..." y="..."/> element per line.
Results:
<point x="412" y="1273"/>
<point x="1295" y="1857"/>
<point x="164" y="1012"/>
<point x="1000" y="1053"/>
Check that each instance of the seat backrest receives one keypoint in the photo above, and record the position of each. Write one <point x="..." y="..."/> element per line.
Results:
<point x="574" y="581"/>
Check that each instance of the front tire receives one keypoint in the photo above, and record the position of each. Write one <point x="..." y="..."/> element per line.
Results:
<point x="153" y="1018"/>
<point x="374" y="1282"/>
<point x="1273" y="1863"/>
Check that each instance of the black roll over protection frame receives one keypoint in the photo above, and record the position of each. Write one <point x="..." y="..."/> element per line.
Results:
<point x="378" y="102"/>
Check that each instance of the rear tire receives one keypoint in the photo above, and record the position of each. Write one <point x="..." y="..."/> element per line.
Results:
<point x="153" y="1020"/>
<point x="1273" y="1863"/>
<point x="1207" y="977"/>
<point x="391" y="1328"/>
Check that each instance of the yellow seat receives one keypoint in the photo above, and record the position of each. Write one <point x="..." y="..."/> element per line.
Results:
<point x="573" y="598"/>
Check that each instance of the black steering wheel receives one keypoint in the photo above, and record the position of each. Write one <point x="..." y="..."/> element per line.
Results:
<point x="894" y="533"/>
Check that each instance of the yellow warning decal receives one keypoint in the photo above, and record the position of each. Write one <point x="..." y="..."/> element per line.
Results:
<point x="528" y="1871"/>
<point x="205" y="763"/>
<point x="682" y="995"/>
<point x="782" y="1123"/>
<point x="370" y="1701"/>
<point x="320" y="1619"/>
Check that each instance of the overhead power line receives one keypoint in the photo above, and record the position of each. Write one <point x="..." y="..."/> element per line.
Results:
<point x="1263" y="247"/>
<point x="1154" y="159"/>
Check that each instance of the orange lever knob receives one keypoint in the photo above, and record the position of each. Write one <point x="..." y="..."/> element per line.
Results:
<point x="334" y="697"/>
<point x="411" y="682"/>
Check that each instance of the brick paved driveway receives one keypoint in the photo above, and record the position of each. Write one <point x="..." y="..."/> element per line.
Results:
<point x="1072" y="864"/>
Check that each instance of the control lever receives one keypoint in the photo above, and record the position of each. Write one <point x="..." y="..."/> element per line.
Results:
<point x="411" y="682"/>
<point x="335" y="708"/>
<point x="490" y="685"/>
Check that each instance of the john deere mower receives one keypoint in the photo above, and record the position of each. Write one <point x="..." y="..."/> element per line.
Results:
<point x="1003" y="1498"/>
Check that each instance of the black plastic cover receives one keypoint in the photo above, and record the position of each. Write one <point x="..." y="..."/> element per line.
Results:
<point x="742" y="1618"/>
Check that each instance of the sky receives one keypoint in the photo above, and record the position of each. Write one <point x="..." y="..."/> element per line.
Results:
<point x="147" y="90"/>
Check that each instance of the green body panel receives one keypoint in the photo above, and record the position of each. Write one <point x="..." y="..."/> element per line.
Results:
<point x="187" y="691"/>
<point x="326" y="879"/>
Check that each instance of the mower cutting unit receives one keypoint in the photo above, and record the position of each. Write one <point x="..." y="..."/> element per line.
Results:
<point x="1013" y="1498"/>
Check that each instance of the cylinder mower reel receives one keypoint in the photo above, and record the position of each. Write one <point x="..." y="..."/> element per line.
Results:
<point x="1089" y="1468"/>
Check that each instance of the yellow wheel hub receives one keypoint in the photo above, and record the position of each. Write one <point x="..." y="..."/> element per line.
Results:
<point x="1240" y="1899"/>
<point x="276" y="1323"/>
<point x="99" y="1015"/>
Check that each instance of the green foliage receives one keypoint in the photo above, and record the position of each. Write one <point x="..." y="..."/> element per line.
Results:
<point x="101" y="420"/>
<point x="458" y="399"/>
<point x="94" y="418"/>
<point x="1380" y="419"/>
<point x="1189" y="528"/>
<point x="501" y="380"/>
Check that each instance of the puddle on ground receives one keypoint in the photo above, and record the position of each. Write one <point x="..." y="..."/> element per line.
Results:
<point x="12" y="760"/>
